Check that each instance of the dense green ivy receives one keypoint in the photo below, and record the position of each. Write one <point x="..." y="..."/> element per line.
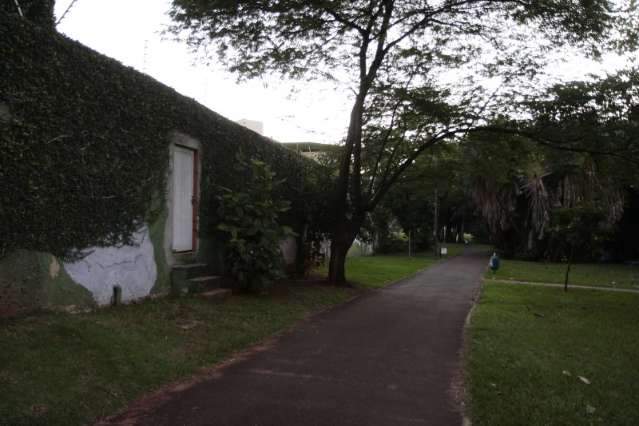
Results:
<point x="84" y="146"/>
<point x="37" y="11"/>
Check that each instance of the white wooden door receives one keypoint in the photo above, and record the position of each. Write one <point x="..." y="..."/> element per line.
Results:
<point x="183" y="198"/>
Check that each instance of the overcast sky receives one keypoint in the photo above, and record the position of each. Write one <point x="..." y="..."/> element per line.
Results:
<point x="129" y="31"/>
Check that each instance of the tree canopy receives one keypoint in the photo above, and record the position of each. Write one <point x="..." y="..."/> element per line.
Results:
<point x="420" y="72"/>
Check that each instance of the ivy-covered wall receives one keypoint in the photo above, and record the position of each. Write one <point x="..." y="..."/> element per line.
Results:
<point x="37" y="11"/>
<point x="85" y="149"/>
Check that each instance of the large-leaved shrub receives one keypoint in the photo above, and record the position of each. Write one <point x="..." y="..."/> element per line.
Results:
<point x="249" y="217"/>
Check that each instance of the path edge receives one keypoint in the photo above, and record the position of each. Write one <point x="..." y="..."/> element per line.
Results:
<point x="559" y="285"/>
<point x="465" y="400"/>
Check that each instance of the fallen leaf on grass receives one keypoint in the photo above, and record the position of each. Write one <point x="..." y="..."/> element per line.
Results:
<point x="190" y="325"/>
<point x="39" y="409"/>
<point x="583" y="379"/>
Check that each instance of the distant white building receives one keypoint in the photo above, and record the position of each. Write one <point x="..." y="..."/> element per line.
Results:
<point x="313" y="150"/>
<point x="256" y="126"/>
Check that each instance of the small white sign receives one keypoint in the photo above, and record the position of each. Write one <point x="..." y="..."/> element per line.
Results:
<point x="444" y="251"/>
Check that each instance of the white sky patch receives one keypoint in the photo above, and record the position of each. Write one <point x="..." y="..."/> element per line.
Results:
<point x="129" y="31"/>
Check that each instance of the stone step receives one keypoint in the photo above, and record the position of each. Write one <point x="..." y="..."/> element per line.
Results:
<point x="189" y="266"/>
<point x="185" y="258"/>
<point x="190" y="270"/>
<point x="204" y="283"/>
<point x="183" y="273"/>
<point x="218" y="294"/>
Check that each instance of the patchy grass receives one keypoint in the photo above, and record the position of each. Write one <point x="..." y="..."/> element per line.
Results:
<point x="378" y="271"/>
<point x="602" y="275"/>
<point x="529" y="345"/>
<point x="381" y="270"/>
<point x="60" y="369"/>
<point x="359" y="249"/>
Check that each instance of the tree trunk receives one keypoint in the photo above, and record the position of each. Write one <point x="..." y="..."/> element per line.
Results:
<point x="462" y="229"/>
<point x="302" y="255"/>
<point x="342" y="241"/>
<point x="572" y="250"/>
<point x="349" y="207"/>
<point x="348" y="183"/>
<point x="410" y="243"/>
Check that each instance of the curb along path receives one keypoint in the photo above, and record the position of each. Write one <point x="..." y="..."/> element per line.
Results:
<point x="557" y="285"/>
<point x="391" y="357"/>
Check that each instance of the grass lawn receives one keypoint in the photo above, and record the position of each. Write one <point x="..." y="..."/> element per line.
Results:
<point x="71" y="369"/>
<point x="602" y="275"/>
<point x="61" y="369"/>
<point x="529" y="345"/>
<point x="378" y="271"/>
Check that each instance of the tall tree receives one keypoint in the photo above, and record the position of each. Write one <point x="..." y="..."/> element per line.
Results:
<point x="410" y="64"/>
<point x="537" y="199"/>
<point x="439" y="173"/>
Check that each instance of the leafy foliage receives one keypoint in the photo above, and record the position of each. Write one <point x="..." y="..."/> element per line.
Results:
<point x="392" y="55"/>
<point x="539" y="204"/>
<point x="440" y="174"/>
<point x="578" y="232"/>
<point x="249" y="217"/>
<point x="556" y="180"/>
<point x="85" y="140"/>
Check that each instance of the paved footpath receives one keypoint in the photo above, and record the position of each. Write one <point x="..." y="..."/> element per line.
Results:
<point x="391" y="357"/>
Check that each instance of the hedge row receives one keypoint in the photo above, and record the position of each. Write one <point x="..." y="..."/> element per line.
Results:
<point x="84" y="146"/>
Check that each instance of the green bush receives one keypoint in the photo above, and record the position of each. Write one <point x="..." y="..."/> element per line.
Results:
<point x="250" y="220"/>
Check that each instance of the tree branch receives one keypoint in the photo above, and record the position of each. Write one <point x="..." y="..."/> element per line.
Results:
<point x="535" y="137"/>
<point x="19" y="8"/>
<point x="383" y="189"/>
<point x="68" y="9"/>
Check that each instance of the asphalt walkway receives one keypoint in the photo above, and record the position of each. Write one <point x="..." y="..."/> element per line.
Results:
<point x="391" y="357"/>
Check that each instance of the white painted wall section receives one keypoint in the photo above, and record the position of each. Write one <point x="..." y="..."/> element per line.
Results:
<point x="132" y="267"/>
<point x="288" y="247"/>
